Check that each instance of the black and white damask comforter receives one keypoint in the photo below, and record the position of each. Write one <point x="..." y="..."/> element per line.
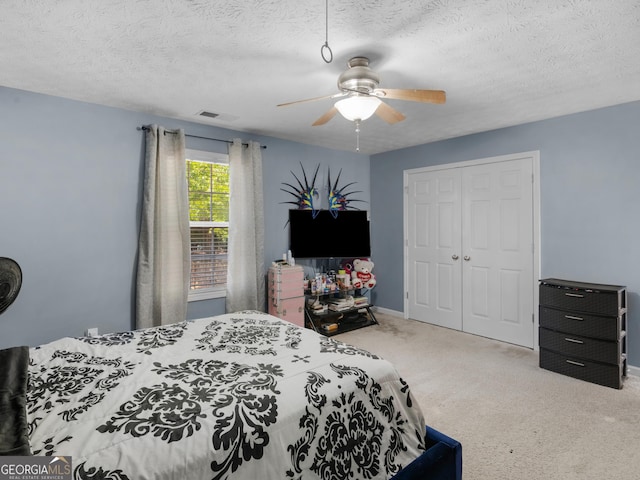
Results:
<point x="242" y="395"/>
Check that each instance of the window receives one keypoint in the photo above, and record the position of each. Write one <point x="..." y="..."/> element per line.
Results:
<point x="208" y="183"/>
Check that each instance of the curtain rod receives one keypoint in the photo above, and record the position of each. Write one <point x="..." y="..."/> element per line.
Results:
<point x="204" y="138"/>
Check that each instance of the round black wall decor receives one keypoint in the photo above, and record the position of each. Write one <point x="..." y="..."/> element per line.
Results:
<point x="10" y="282"/>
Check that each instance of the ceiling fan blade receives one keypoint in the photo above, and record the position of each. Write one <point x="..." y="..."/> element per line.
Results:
<point x="326" y="117"/>
<point x="427" y="96"/>
<point x="335" y="95"/>
<point x="389" y="114"/>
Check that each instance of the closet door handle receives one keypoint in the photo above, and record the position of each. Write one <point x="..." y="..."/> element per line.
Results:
<point x="467" y="258"/>
<point x="455" y="257"/>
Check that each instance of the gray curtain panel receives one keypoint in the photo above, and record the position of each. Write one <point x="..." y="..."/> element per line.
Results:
<point x="245" y="270"/>
<point x="163" y="253"/>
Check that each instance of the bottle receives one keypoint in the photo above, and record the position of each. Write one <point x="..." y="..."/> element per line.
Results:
<point x="343" y="279"/>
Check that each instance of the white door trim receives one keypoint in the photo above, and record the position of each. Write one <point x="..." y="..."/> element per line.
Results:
<point x="535" y="156"/>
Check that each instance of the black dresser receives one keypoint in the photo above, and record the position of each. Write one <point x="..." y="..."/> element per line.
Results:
<point x="583" y="330"/>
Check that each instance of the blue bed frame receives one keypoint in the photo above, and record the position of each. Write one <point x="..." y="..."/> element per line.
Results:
<point x="442" y="460"/>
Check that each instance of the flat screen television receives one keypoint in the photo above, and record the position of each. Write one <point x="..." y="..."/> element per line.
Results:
<point x="345" y="236"/>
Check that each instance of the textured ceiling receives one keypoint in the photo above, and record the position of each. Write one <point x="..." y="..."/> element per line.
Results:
<point x="501" y="62"/>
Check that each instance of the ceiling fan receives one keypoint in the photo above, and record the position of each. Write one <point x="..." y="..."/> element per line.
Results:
<point x="359" y="85"/>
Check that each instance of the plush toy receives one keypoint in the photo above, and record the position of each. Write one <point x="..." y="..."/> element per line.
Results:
<point x="347" y="267"/>
<point x="361" y="276"/>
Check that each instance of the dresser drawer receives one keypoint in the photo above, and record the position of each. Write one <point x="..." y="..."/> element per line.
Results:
<point x="287" y="273"/>
<point x="583" y="347"/>
<point x="606" y="328"/>
<point x="281" y="291"/>
<point x="291" y="310"/>
<point x="569" y="296"/>
<point x="601" y="373"/>
<point x="286" y="282"/>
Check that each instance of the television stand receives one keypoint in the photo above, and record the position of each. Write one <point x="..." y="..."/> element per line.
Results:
<point x="337" y="312"/>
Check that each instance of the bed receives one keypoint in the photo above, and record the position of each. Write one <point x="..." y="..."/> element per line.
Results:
<point x="243" y="395"/>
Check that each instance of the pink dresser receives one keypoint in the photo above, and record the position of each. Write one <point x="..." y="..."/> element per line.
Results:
<point x="286" y="293"/>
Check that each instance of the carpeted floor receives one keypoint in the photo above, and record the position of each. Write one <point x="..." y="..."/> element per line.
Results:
<point x="514" y="420"/>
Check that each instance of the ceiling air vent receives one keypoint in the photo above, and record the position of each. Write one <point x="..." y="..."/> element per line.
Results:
<point x="219" y="117"/>
<point x="204" y="113"/>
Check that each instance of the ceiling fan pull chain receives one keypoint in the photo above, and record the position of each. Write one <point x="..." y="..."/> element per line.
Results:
<point x="325" y="50"/>
<point x="326" y="57"/>
<point x="357" y="122"/>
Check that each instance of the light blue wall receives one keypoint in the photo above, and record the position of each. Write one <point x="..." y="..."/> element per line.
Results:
<point x="590" y="201"/>
<point x="70" y="187"/>
<point x="70" y="192"/>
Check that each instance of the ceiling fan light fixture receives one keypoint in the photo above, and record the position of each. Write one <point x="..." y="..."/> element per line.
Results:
<point x="358" y="107"/>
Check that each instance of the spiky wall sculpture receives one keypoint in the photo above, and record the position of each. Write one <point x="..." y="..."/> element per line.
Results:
<point x="307" y="194"/>
<point x="338" y="200"/>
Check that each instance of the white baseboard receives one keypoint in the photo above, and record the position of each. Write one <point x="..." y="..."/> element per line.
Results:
<point x="631" y="370"/>
<point x="388" y="311"/>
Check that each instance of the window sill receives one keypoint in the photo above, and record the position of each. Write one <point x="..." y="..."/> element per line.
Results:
<point x="207" y="294"/>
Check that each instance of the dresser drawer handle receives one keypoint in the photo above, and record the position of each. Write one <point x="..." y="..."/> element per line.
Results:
<point x="573" y="340"/>
<point x="578" y="364"/>
<point x="571" y="317"/>
<point x="577" y="295"/>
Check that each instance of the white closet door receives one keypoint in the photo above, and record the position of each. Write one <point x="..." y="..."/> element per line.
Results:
<point x="497" y="245"/>
<point x="433" y="274"/>
<point x="469" y="262"/>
